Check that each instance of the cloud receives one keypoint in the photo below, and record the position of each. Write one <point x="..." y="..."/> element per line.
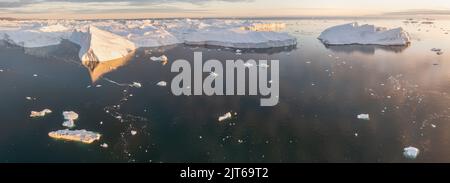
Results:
<point x="22" y="3"/>
<point x="419" y="12"/>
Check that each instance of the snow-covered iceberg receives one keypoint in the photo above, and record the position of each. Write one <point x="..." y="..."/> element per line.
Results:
<point x="99" y="45"/>
<point x="354" y="33"/>
<point x="106" y="40"/>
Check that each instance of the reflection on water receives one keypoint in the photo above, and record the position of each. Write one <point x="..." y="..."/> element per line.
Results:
<point x="98" y="69"/>
<point x="322" y="90"/>
<point x="365" y="49"/>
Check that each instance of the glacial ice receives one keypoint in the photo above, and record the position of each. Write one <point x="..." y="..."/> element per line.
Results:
<point x="363" y="116"/>
<point x="354" y="33"/>
<point x="104" y="40"/>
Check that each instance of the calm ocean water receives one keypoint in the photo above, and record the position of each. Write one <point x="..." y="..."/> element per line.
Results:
<point x="322" y="90"/>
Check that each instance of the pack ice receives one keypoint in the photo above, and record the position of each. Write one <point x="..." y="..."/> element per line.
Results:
<point x="105" y="40"/>
<point x="353" y="33"/>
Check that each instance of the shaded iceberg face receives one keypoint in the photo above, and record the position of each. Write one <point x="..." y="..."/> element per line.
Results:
<point x="365" y="49"/>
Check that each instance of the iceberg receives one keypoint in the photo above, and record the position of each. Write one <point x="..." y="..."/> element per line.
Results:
<point x="354" y="33"/>
<point x="76" y="135"/>
<point x="99" y="46"/>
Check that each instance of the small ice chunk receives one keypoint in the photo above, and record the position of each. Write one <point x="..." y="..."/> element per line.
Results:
<point x="263" y="65"/>
<point x="247" y="64"/>
<point x="104" y="145"/>
<point x="133" y="132"/>
<point x="213" y="74"/>
<point x="162" y="58"/>
<point x="161" y="83"/>
<point x="411" y="152"/>
<point x="42" y="113"/>
<point x="136" y="85"/>
<point x="35" y="75"/>
<point x="1" y="70"/>
<point x="98" y="86"/>
<point x="225" y="117"/>
<point x="69" y="118"/>
<point x="364" y="116"/>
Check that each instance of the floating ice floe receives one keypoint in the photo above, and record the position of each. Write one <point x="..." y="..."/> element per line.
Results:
<point x="162" y="58"/>
<point x="104" y="40"/>
<point x="161" y="83"/>
<point x="104" y="145"/>
<point x="363" y="116"/>
<point x="42" y="113"/>
<point x="226" y="116"/>
<point x="248" y="65"/>
<point x="69" y="118"/>
<point x="263" y="65"/>
<point x="76" y="135"/>
<point x="133" y="132"/>
<point x="411" y="152"/>
<point x="353" y="33"/>
<point x="213" y="74"/>
<point x="136" y="85"/>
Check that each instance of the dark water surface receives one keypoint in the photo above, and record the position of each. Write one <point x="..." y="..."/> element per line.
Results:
<point x="322" y="90"/>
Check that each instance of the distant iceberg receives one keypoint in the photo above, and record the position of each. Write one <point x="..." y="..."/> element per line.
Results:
<point x="354" y="33"/>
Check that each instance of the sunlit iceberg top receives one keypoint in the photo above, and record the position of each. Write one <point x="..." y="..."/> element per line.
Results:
<point x="354" y="33"/>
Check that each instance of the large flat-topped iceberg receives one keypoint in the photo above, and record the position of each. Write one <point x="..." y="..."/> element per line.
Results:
<point x="99" y="45"/>
<point x="105" y="40"/>
<point x="354" y="33"/>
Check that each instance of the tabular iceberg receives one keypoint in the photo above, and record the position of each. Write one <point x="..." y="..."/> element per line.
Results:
<point x="76" y="135"/>
<point x="106" y="40"/>
<point x="354" y="33"/>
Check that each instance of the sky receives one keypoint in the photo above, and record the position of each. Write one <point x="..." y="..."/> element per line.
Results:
<point x="216" y="8"/>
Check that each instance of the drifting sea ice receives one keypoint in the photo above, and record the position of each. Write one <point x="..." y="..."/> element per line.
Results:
<point x="363" y="116"/>
<point x="225" y="117"/>
<point x="69" y="118"/>
<point x="161" y="83"/>
<point x="42" y="113"/>
<point x="411" y="152"/>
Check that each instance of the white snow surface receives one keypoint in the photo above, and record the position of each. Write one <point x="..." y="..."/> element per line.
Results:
<point x="104" y="40"/>
<point x="353" y="33"/>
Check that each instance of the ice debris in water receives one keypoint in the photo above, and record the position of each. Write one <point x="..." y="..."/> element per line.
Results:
<point x="364" y="116"/>
<point x="162" y="58"/>
<point x="225" y="117"/>
<point x="133" y="132"/>
<point x="69" y="118"/>
<point x="411" y="152"/>
<point x="42" y="113"/>
<point x="136" y="85"/>
<point x="104" y="145"/>
<point x="161" y="83"/>
<point x="263" y="65"/>
<point x="213" y="74"/>
<point x="76" y="135"/>
<point x="247" y="64"/>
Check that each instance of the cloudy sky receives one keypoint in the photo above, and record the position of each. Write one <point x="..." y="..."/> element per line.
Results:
<point x="215" y="8"/>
